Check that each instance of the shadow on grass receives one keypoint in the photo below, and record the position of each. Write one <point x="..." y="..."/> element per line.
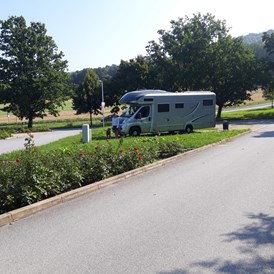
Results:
<point x="258" y="234"/>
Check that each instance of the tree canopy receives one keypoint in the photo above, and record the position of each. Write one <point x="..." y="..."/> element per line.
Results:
<point x="184" y="50"/>
<point x="131" y="75"/>
<point x="33" y="78"/>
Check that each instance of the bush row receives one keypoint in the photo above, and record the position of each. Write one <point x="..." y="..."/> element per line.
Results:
<point x="32" y="176"/>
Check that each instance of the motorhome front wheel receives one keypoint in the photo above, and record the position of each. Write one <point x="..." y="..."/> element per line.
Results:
<point x="134" y="131"/>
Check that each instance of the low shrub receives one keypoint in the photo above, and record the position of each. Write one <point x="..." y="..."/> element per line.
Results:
<point x="170" y="149"/>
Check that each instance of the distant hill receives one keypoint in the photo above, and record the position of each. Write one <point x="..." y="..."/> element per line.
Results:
<point x="254" y="41"/>
<point x="253" y="38"/>
<point x="105" y="73"/>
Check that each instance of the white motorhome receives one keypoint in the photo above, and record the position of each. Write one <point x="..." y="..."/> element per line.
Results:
<point x="153" y="111"/>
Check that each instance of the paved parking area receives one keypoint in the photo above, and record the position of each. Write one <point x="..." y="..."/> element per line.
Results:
<point x="40" y="138"/>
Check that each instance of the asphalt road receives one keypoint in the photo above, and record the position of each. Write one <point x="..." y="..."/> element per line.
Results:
<point x="266" y="105"/>
<point x="211" y="212"/>
<point x="40" y="138"/>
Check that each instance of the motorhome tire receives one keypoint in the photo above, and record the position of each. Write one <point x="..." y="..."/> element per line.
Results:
<point x="135" y="131"/>
<point x="189" y="129"/>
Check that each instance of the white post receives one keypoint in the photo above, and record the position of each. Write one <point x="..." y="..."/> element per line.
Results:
<point x="86" y="134"/>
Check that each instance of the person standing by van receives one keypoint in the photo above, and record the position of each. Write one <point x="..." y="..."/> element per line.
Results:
<point x="115" y="124"/>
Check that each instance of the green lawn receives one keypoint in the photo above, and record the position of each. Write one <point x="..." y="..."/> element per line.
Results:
<point x="188" y="141"/>
<point x="267" y="113"/>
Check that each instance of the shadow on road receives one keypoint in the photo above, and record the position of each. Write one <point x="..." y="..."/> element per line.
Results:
<point x="266" y="134"/>
<point x="258" y="235"/>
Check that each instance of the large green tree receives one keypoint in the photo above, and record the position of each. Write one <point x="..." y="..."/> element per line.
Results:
<point x="232" y="72"/>
<point x="199" y="54"/>
<point x="33" y="77"/>
<point x="87" y="97"/>
<point x="268" y="86"/>
<point x="182" y="54"/>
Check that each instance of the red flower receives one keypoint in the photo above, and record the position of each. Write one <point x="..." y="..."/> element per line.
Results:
<point x="136" y="148"/>
<point x="81" y="154"/>
<point x="140" y="158"/>
<point x="18" y="160"/>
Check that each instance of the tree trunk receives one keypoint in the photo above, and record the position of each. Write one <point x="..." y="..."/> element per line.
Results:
<point x="30" y="122"/>
<point x="219" y="113"/>
<point x="90" y="118"/>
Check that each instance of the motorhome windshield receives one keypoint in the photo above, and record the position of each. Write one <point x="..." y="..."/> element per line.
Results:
<point x="129" y="111"/>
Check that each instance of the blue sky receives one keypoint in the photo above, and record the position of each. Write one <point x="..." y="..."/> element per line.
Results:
<point x="96" y="33"/>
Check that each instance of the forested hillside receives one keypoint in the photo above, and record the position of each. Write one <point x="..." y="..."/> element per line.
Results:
<point x="252" y="38"/>
<point x="104" y="73"/>
<point x="254" y="41"/>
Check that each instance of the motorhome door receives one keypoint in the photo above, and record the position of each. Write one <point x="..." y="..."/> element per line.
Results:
<point x="162" y="117"/>
<point x="143" y="116"/>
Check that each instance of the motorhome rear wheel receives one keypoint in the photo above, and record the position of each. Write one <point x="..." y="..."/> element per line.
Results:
<point x="189" y="128"/>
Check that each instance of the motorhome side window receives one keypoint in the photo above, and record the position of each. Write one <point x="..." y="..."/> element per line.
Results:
<point x="163" y="108"/>
<point x="179" y="105"/>
<point x="207" y="102"/>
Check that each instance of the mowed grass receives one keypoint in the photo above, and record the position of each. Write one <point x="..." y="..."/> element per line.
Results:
<point x="253" y="114"/>
<point x="188" y="141"/>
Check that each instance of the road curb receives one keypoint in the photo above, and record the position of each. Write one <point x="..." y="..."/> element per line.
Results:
<point x="23" y="212"/>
